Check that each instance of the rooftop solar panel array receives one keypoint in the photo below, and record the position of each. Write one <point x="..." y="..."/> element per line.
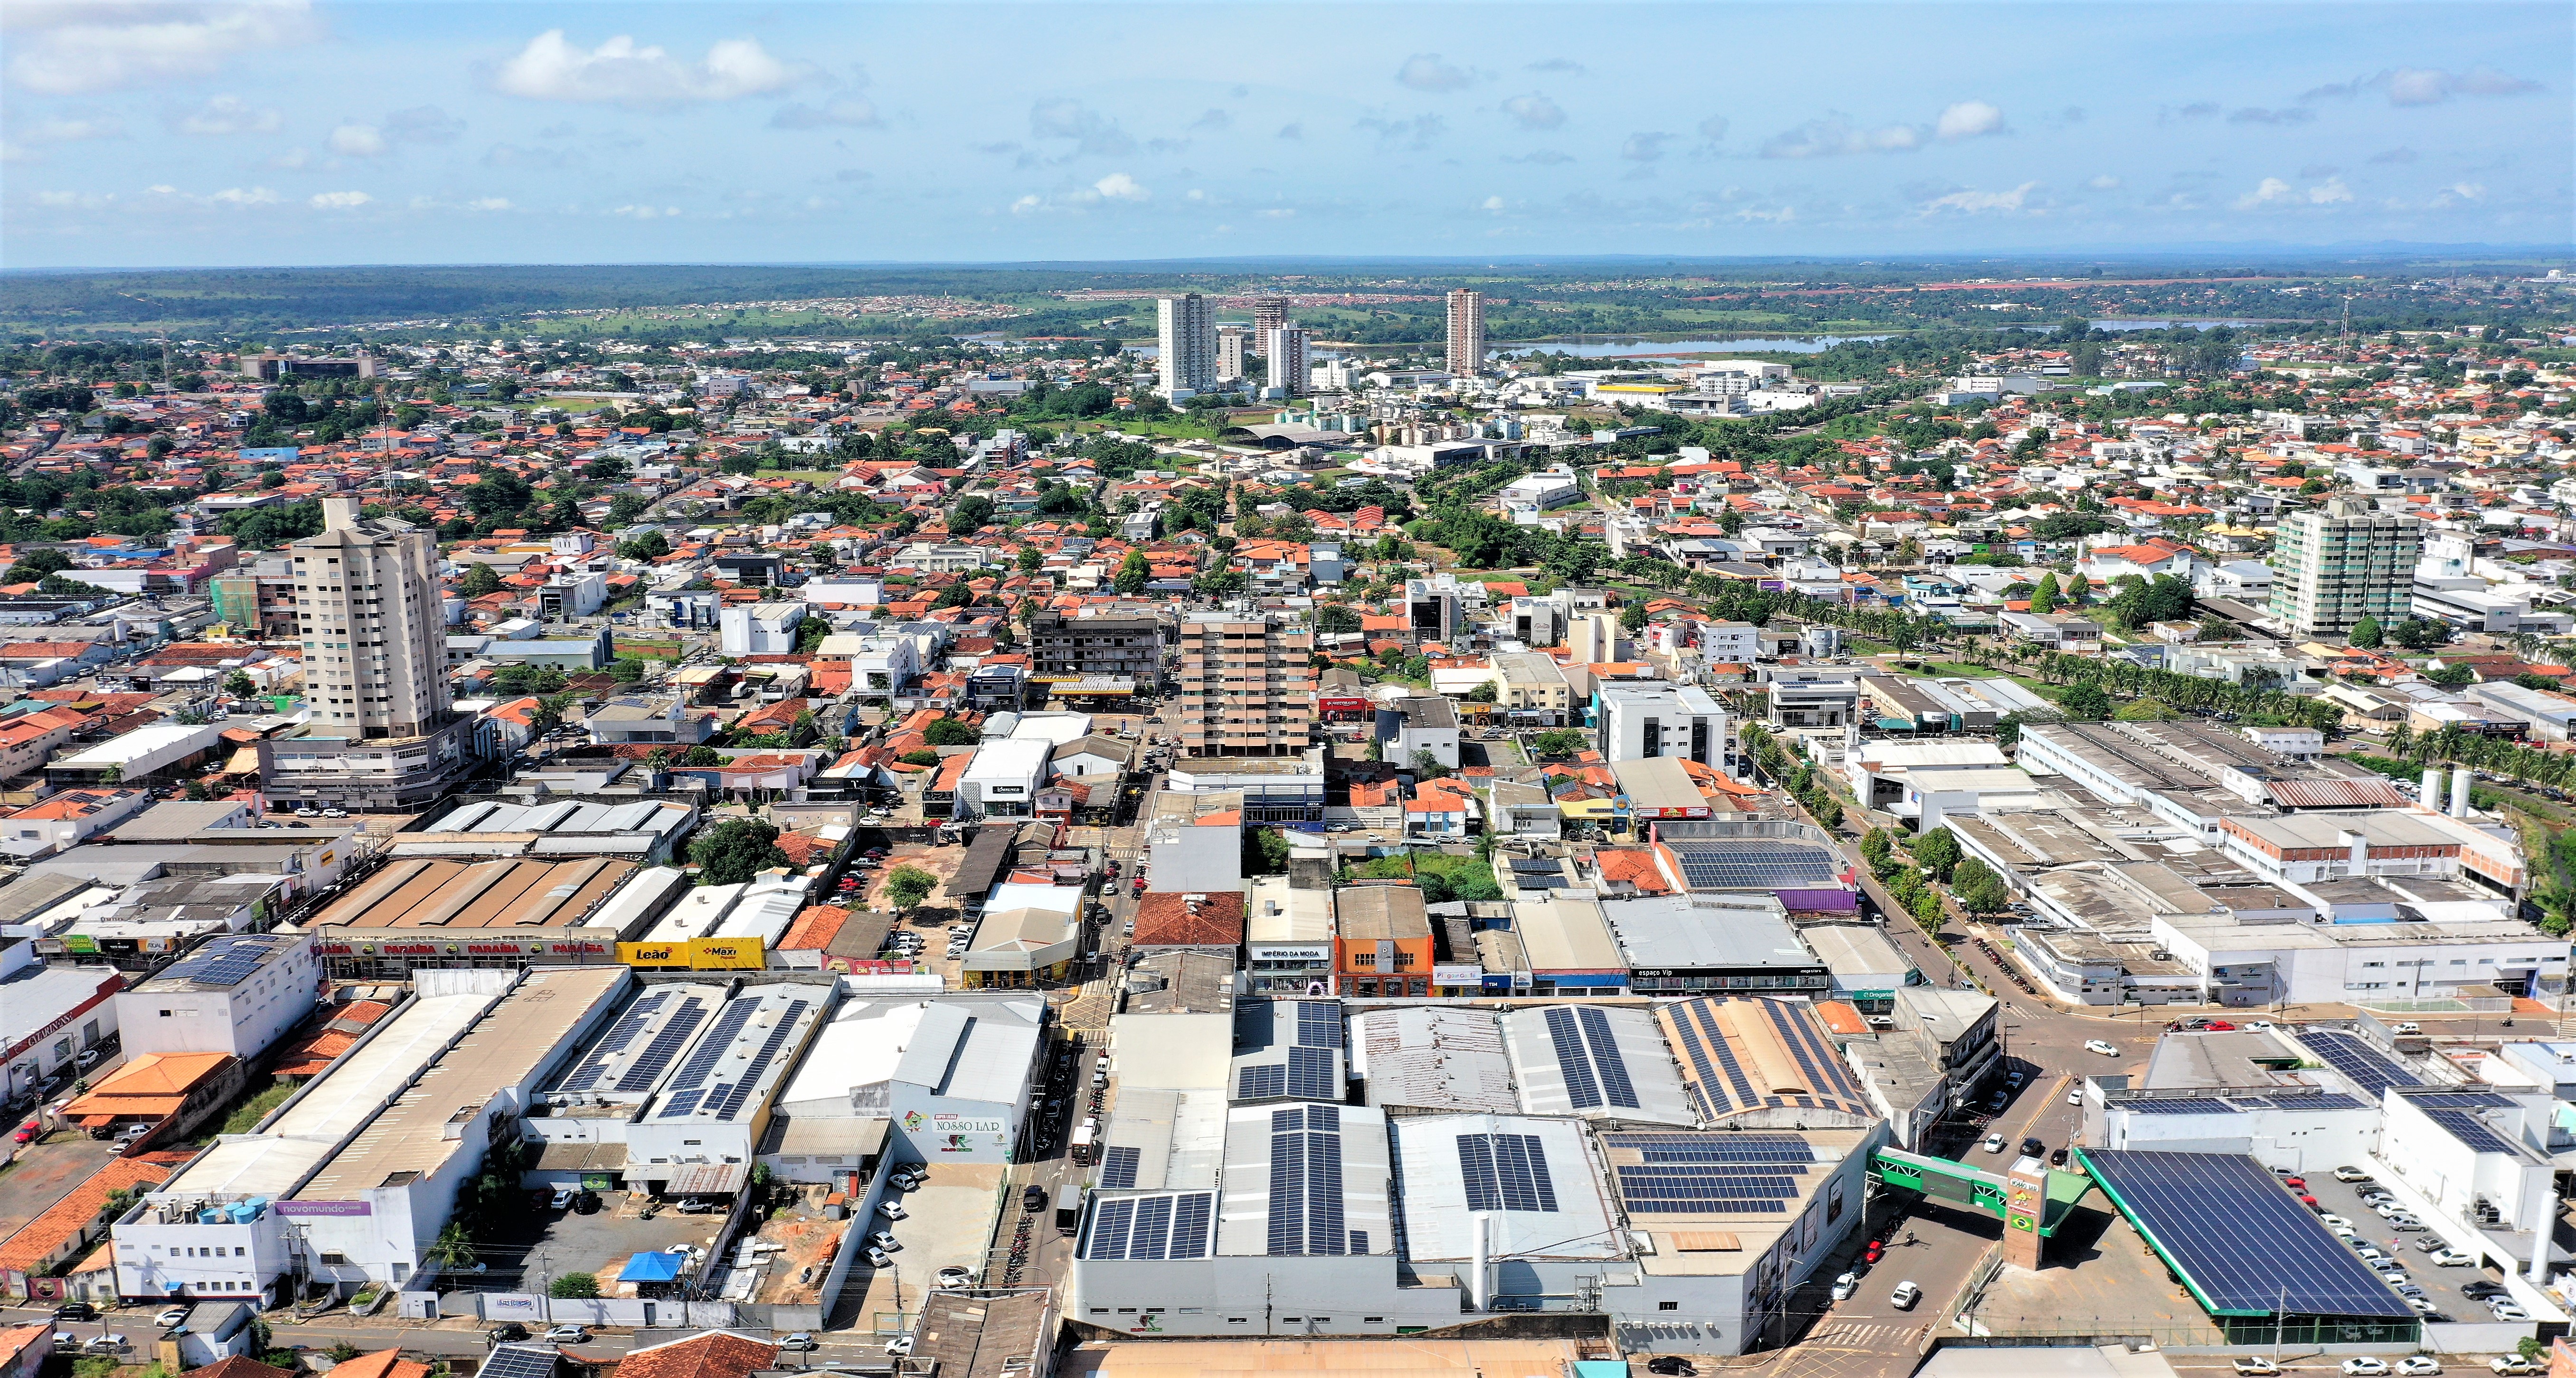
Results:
<point x="1596" y="1073"/>
<point x="2475" y="1133"/>
<point x="1261" y="1082"/>
<point x="727" y="1101"/>
<point x="1709" y="1174"/>
<point x="2233" y="1105"/>
<point x="1752" y="864"/>
<point x="1319" y="1024"/>
<point x="2370" y="1069"/>
<point x="1505" y="1172"/>
<point x="1118" y="1167"/>
<point x="2459" y="1100"/>
<point x="1311" y="1075"/>
<point x="1719" y="1084"/>
<point x="1176" y="1226"/>
<point x="225" y="961"/>
<point x="1306" y="1216"/>
<point x="518" y="1361"/>
<point x="2238" y="1237"/>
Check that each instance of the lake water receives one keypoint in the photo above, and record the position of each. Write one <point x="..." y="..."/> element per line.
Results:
<point x="1635" y="347"/>
<point x="2168" y="325"/>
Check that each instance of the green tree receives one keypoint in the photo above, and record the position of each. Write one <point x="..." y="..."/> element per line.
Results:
<point x="2044" y="598"/>
<point x="453" y="1251"/>
<point x="2085" y="702"/>
<point x="1427" y="766"/>
<point x="2422" y="634"/>
<point x="478" y="580"/>
<point x="1334" y="619"/>
<point x="1482" y="693"/>
<point x="1266" y="851"/>
<point x="652" y="545"/>
<point x="1632" y="618"/>
<point x="574" y="1286"/>
<point x="1978" y="889"/>
<point x="950" y="732"/>
<point x="922" y="757"/>
<point x="2145" y="710"/>
<point x="1558" y="743"/>
<point x="1134" y="573"/>
<point x="239" y="685"/>
<point x="906" y="887"/>
<point x="2451" y="677"/>
<point x="736" y="850"/>
<point x="1219" y="582"/>
<point x="1937" y="851"/>
<point x="2367" y="635"/>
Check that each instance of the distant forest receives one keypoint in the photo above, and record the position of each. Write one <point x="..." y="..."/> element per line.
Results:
<point x="1535" y="301"/>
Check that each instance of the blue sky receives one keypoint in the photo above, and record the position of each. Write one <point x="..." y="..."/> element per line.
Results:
<point x="284" y="132"/>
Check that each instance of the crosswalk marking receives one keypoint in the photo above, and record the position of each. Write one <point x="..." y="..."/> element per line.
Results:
<point x="1854" y="1333"/>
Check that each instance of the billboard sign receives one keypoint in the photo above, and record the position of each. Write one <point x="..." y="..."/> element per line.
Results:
<point x="697" y="954"/>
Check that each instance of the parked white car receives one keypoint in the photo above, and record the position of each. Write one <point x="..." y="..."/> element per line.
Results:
<point x="2095" y="1045"/>
<point x="1845" y="1285"/>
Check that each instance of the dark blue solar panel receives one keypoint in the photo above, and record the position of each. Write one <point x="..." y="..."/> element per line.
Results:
<point x="1709" y="1188"/>
<point x="2370" y="1069"/>
<point x="710" y="1051"/>
<point x="1319" y="1024"/>
<point x="1714" y="1148"/>
<point x="1505" y="1172"/>
<point x="1753" y="864"/>
<point x="1581" y="1091"/>
<point x="749" y="1079"/>
<point x="1261" y="1083"/>
<point x="1826" y="1074"/>
<point x="2240" y="1240"/>
<point x="2459" y="1100"/>
<point x="224" y="961"/>
<point x="1306" y="1183"/>
<point x="2465" y="1126"/>
<point x="681" y="1104"/>
<point x="1607" y="1061"/>
<point x="1311" y="1075"/>
<point x="1150" y="1227"/>
<point x="2179" y="1105"/>
<point x="1118" y="1168"/>
<point x="518" y="1361"/>
<point x="666" y="1045"/>
<point x="1703" y="1086"/>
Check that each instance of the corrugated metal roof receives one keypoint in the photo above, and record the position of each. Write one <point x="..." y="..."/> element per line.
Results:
<point x="2337" y="794"/>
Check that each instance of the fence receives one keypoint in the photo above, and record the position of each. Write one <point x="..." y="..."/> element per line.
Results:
<point x="529" y="1308"/>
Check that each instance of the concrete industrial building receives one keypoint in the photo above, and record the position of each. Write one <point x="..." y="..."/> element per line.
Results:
<point x="350" y="1181"/>
<point x="1246" y="686"/>
<point x="1186" y="333"/>
<point x="2337" y="566"/>
<point x="236" y="994"/>
<point x="1644" y="721"/>
<point x="941" y="1079"/>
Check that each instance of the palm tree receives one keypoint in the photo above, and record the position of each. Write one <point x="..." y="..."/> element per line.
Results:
<point x="453" y="1252"/>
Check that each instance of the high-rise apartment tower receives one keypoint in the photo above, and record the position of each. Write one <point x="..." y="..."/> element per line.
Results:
<point x="1268" y="314"/>
<point x="1188" y="340"/>
<point x="1247" y="685"/>
<point x="1285" y="349"/>
<point x="2334" y="567"/>
<point x="1466" y="333"/>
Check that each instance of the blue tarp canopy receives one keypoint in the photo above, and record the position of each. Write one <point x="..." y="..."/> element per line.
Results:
<point x="652" y="1268"/>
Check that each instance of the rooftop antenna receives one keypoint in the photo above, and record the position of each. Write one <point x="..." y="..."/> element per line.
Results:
<point x="2345" y="338"/>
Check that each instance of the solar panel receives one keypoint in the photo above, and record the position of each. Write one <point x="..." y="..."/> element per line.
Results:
<point x="1709" y="1188"/>
<point x="711" y="1049"/>
<point x="1261" y="1083"/>
<point x="1505" y="1172"/>
<point x="1174" y="1226"/>
<point x="1541" y="882"/>
<point x="1752" y="864"/>
<point x="749" y="1078"/>
<point x="1607" y="1060"/>
<point x="2370" y="1069"/>
<point x="1118" y="1168"/>
<point x="517" y="1361"/>
<point x="628" y="1025"/>
<point x="2460" y="1100"/>
<point x="1703" y="1084"/>
<point x="2475" y="1133"/>
<point x="1319" y="1024"/>
<point x="2241" y="1241"/>
<point x="1714" y="1148"/>
<point x="1581" y="1091"/>
<point x="1306" y="1182"/>
<point x="1825" y="1072"/>
<point x="666" y="1045"/>
<point x="2179" y="1105"/>
<point x="1311" y="1075"/>
<point x="1538" y="864"/>
<point x="681" y="1104"/>
<point x="224" y="961"/>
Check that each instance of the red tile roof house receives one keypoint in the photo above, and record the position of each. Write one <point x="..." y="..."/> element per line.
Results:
<point x="1209" y="922"/>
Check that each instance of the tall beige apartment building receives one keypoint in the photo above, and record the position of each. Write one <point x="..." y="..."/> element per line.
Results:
<point x="380" y="730"/>
<point x="1466" y="332"/>
<point x="1247" y="685"/>
<point x="2334" y="567"/>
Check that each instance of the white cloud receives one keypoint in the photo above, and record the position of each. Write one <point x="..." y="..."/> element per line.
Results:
<point x="260" y="196"/>
<point x="358" y="141"/>
<point x="73" y="200"/>
<point x="62" y="130"/>
<point x="1118" y="186"/>
<point x="2273" y="191"/>
<point x="1280" y="213"/>
<point x="2428" y="85"/>
<point x="226" y="115"/>
<point x="1983" y="202"/>
<point x="339" y="200"/>
<point x="1967" y="120"/>
<point x="646" y="212"/>
<point x="1493" y="203"/>
<point x="2105" y="182"/>
<point x="849" y="112"/>
<point x="490" y="203"/>
<point x="622" y="72"/>
<point x="67" y="47"/>
<point x="1196" y="195"/>
<point x="1534" y="111"/>
<point x="1028" y="205"/>
<point x="1835" y="135"/>
<point x="1426" y="72"/>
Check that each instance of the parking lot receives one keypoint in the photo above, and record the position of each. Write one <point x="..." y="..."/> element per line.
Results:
<point x="551" y="1243"/>
<point x="2441" y="1285"/>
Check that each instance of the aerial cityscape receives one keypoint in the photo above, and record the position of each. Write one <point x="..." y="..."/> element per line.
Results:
<point x="1457" y="691"/>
